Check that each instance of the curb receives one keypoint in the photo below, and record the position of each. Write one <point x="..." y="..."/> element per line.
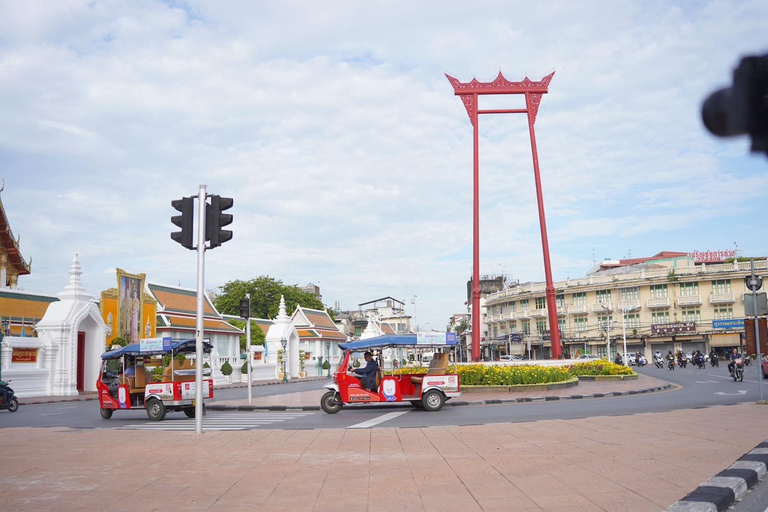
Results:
<point x="572" y="382"/>
<point x="454" y="403"/>
<point x="56" y="400"/>
<point x="721" y="491"/>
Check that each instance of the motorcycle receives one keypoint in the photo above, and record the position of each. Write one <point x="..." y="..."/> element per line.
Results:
<point x="671" y="364"/>
<point x="713" y="361"/>
<point x="640" y="361"/>
<point x="738" y="370"/>
<point x="13" y="403"/>
<point x="659" y="362"/>
<point x="700" y="361"/>
<point x="683" y="362"/>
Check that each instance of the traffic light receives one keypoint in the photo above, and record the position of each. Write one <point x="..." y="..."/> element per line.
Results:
<point x="245" y="308"/>
<point x="185" y="205"/>
<point x="215" y="220"/>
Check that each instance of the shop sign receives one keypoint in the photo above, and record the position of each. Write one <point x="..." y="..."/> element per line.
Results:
<point x="711" y="256"/>
<point x="728" y="324"/>
<point x="24" y="355"/>
<point x="673" y="328"/>
<point x="516" y="337"/>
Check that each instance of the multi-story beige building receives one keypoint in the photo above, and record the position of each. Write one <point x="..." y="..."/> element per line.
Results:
<point x="667" y="302"/>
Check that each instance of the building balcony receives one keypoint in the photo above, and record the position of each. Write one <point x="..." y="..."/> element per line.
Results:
<point x="577" y="309"/>
<point x="539" y="313"/>
<point x="560" y="310"/>
<point x="524" y="313"/>
<point x="722" y="298"/>
<point x="662" y="302"/>
<point x="508" y="316"/>
<point x="629" y="305"/>
<point x="600" y="307"/>
<point x="690" y="300"/>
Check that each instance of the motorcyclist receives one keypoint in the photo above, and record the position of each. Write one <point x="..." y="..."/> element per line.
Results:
<point x="618" y="359"/>
<point x="733" y="357"/>
<point x="5" y="392"/>
<point x="712" y="354"/>
<point x="670" y="356"/>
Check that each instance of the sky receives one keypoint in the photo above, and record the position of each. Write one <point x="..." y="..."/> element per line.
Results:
<point x="348" y="156"/>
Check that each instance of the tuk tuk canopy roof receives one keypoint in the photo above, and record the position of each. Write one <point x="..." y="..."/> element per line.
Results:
<point x="177" y="346"/>
<point x="427" y="339"/>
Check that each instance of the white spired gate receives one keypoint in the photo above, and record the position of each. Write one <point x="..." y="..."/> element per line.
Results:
<point x="70" y="340"/>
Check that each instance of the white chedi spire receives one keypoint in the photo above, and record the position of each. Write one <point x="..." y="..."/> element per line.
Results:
<point x="74" y="288"/>
<point x="282" y="315"/>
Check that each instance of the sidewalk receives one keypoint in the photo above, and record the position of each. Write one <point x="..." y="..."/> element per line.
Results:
<point x="310" y="400"/>
<point x="555" y="465"/>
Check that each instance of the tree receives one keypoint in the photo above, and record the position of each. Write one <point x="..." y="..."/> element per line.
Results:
<point x="257" y="335"/>
<point x="265" y="297"/>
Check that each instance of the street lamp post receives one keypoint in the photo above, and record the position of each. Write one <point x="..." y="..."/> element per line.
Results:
<point x="284" y="343"/>
<point x="3" y="334"/>
<point x="328" y="356"/>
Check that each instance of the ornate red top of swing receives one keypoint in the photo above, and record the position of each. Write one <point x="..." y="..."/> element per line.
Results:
<point x="500" y="86"/>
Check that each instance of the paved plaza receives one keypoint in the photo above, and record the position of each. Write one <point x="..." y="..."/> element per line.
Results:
<point x="642" y="462"/>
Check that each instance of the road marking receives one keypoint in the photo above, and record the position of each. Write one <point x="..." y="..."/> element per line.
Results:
<point x="219" y="421"/>
<point x="739" y="392"/>
<point x="729" y="378"/>
<point x="51" y="413"/>
<point x="380" y="419"/>
<point x="706" y="382"/>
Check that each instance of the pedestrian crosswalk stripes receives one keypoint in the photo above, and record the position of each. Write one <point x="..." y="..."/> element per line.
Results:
<point x="218" y="421"/>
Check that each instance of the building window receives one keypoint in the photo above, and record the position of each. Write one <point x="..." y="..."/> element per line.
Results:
<point x="579" y="299"/>
<point x="495" y="332"/>
<point x="560" y="300"/>
<point x="541" y="302"/>
<point x="692" y="315"/>
<point x="511" y="307"/>
<point x="689" y="289"/>
<point x="605" y="322"/>
<point x="524" y="305"/>
<point x="512" y="326"/>
<point x="659" y="291"/>
<point x="633" y="321"/>
<point x="580" y="324"/>
<point x="526" y="327"/>
<point x="724" y="313"/>
<point x="541" y="326"/>
<point x="603" y="296"/>
<point x="660" y="317"/>
<point x="721" y="286"/>
<point x="632" y="293"/>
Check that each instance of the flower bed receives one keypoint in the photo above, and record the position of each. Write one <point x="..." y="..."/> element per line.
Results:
<point x="497" y="375"/>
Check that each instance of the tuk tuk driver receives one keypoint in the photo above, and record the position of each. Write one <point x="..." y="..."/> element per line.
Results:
<point x="368" y="373"/>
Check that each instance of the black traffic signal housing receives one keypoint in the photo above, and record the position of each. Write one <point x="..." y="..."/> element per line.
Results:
<point x="245" y="308"/>
<point x="215" y="220"/>
<point x="185" y="205"/>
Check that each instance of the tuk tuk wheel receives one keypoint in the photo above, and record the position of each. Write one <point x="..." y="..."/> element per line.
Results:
<point x="331" y="403"/>
<point x="190" y="412"/>
<point x="433" y="400"/>
<point x="155" y="409"/>
<point x="106" y="413"/>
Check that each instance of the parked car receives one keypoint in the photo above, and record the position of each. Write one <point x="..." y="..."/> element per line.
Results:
<point x="588" y="356"/>
<point x="765" y="367"/>
<point x="510" y="358"/>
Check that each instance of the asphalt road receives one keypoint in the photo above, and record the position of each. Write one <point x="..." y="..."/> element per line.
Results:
<point x="694" y="388"/>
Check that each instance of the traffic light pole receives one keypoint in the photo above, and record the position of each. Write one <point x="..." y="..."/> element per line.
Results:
<point x="248" y="347"/>
<point x="200" y="305"/>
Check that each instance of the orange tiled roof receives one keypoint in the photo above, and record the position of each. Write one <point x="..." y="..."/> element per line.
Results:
<point x="321" y="334"/>
<point x="179" y="300"/>
<point x="319" y="318"/>
<point x="17" y="305"/>
<point x="178" y="322"/>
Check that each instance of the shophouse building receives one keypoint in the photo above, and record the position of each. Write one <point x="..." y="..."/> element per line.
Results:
<point x="670" y="301"/>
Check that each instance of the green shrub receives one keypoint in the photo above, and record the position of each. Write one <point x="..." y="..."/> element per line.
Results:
<point x="326" y="365"/>
<point x="356" y="364"/>
<point x="244" y="368"/>
<point x="226" y="368"/>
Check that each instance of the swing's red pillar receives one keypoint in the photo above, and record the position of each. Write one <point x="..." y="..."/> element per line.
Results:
<point x="468" y="92"/>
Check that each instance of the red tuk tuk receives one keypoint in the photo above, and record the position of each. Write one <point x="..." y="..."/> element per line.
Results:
<point x="126" y="383"/>
<point x="428" y="391"/>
